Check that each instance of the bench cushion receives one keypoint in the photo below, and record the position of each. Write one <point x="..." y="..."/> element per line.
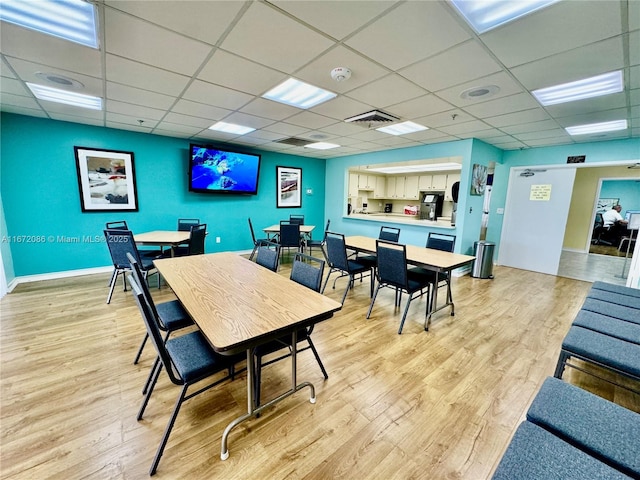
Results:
<point x="617" y="298"/>
<point x="601" y="428"/>
<point x="610" y="287"/>
<point x="536" y="454"/>
<point x="612" y="310"/>
<point x="613" y="327"/>
<point x="612" y="352"/>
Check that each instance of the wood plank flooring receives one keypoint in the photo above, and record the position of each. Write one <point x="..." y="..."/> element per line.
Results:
<point x="421" y="405"/>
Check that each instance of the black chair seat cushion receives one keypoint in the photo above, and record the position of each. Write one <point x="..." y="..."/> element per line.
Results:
<point x="357" y="267"/>
<point x="610" y="326"/>
<point x="194" y="358"/>
<point x="173" y="315"/>
<point x="536" y="454"/>
<point x="603" y="429"/>
<point x="368" y="260"/>
<point x="621" y="312"/>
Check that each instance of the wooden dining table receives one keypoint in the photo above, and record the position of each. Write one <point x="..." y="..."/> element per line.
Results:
<point x="438" y="261"/>
<point x="275" y="229"/>
<point x="163" y="238"/>
<point x="238" y="305"/>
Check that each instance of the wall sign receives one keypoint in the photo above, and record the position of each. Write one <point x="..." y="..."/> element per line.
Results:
<point x="576" y="159"/>
<point x="540" y="193"/>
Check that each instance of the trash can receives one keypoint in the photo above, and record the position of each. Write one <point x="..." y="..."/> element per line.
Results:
<point x="483" y="264"/>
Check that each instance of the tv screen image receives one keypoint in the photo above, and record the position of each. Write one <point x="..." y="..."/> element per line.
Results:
<point x="214" y="170"/>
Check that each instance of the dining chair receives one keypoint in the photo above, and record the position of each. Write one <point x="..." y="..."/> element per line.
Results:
<point x="311" y="243"/>
<point x="121" y="242"/>
<point x="443" y="242"/>
<point x="122" y="225"/>
<point x="118" y="225"/>
<point x="290" y="236"/>
<point x="187" y="359"/>
<point x="256" y="241"/>
<point x="390" y="234"/>
<point x="299" y="219"/>
<point x="171" y="315"/>
<point x="268" y="255"/>
<point x="185" y="224"/>
<point x="336" y="251"/>
<point x="392" y="272"/>
<point x="196" y="244"/>
<point x="307" y="271"/>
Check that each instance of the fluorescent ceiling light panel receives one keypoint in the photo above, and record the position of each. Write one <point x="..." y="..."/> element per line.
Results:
<point x="427" y="167"/>
<point x="322" y="145"/>
<point x="73" y="20"/>
<point x="298" y="94"/>
<point x="597" y="127"/>
<point x="484" y="15"/>
<point x="63" y="96"/>
<point x="231" y="128"/>
<point x="589" y="87"/>
<point x="402" y="128"/>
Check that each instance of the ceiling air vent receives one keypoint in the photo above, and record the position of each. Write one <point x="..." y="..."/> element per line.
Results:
<point x="374" y="118"/>
<point x="298" y="142"/>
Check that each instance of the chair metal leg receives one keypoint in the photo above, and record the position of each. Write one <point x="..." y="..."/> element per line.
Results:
<point x="112" y="284"/>
<point x="562" y="360"/>
<point x="144" y="341"/>
<point x="150" y="376"/>
<point x="404" y="317"/>
<point x="149" y="392"/>
<point x="373" y="299"/>
<point x="167" y="432"/>
<point x="315" y="353"/>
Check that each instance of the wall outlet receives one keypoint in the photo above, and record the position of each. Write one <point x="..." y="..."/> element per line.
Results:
<point x="217" y="239"/>
<point x="309" y="191"/>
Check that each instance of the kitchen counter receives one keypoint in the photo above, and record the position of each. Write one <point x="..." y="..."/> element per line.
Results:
<point x="444" y="223"/>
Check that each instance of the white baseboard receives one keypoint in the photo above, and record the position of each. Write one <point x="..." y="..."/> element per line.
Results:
<point x="55" y="275"/>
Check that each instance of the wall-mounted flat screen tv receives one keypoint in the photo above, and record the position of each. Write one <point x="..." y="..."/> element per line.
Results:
<point x="217" y="170"/>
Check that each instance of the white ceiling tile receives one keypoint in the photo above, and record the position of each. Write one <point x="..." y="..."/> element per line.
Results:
<point x="444" y="118"/>
<point x="193" y="19"/>
<point x="113" y="106"/>
<point x="593" y="117"/>
<point x="634" y="50"/>
<point x="419" y="107"/>
<point x="500" y="106"/>
<point x="172" y="132"/>
<point x="128" y="72"/>
<point x="343" y="129"/>
<point x="545" y="142"/>
<point x="530" y="127"/>
<point x="463" y="127"/>
<point x="501" y="79"/>
<point x="510" y="145"/>
<point x="204" y="92"/>
<point x="518" y="118"/>
<point x="128" y="37"/>
<point x="189" y="130"/>
<point x="310" y="120"/>
<point x="240" y="74"/>
<point x="5" y="69"/>
<point x="584" y="62"/>
<point x="420" y="29"/>
<point x="195" y="109"/>
<point x="607" y="102"/>
<point x="248" y="120"/>
<point x="558" y="28"/>
<point x="554" y="133"/>
<point x="389" y="90"/>
<point x="634" y="16"/>
<point x="286" y="129"/>
<point x="148" y="123"/>
<point x="98" y="122"/>
<point x="271" y="38"/>
<point x="269" y="109"/>
<point x="188" y="120"/>
<point x="23" y="101"/>
<point x="341" y="107"/>
<point x="634" y="77"/>
<point x="457" y="65"/>
<point x="14" y="87"/>
<point x="138" y="96"/>
<point x="20" y="110"/>
<point x="265" y="135"/>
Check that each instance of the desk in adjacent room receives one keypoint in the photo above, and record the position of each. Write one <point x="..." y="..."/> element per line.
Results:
<point x="238" y="305"/>
<point x="428" y="258"/>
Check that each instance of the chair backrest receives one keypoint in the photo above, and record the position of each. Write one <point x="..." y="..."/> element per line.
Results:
<point x="390" y="234"/>
<point x="299" y="219"/>
<point x="120" y="225"/>
<point x="441" y="241"/>
<point x="268" y="255"/>
<point x="197" y="238"/>
<point x="598" y="220"/>
<point x="139" y="278"/>
<point x="305" y="272"/>
<point x="185" y="224"/>
<point x="120" y="242"/>
<point x="253" y="235"/>
<point x="392" y="263"/>
<point x="336" y="250"/>
<point x="151" y="322"/>
<point x="289" y="234"/>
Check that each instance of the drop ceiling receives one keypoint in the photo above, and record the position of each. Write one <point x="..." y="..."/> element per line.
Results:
<point x="175" y="68"/>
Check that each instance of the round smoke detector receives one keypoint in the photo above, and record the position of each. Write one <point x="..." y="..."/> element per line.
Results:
<point x="340" y="74"/>
<point x="60" y="80"/>
<point x="479" y="92"/>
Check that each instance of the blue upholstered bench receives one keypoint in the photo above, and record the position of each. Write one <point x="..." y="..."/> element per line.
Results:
<point x="616" y="298"/>
<point x="601" y="428"/>
<point x="612" y="310"/>
<point x="614" y="327"/>
<point x="610" y="287"/>
<point x="536" y="454"/>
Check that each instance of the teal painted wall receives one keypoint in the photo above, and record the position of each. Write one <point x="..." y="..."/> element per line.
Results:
<point x="627" y="191"/>
<point x="597" y="152"/>
<point x="41" y="199"/>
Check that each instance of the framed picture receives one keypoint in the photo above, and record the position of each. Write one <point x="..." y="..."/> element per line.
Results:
<point x="605" y="204"/>
<point x="106" y="179"/>
<point x="478" y="179"/>
<point x="289" y="185"/>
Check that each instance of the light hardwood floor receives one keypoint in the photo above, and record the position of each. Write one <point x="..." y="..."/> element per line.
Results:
<point x="428" y="405"/>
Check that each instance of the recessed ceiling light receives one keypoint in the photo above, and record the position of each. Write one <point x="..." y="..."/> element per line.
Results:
<point x="298" y="94"/>
<point x="402" y="128"/>
<point x="59" y="80"/>
<point x="73" y="20"/>
<point x="63" y="96"/>
<point x="597" y="127"/>
<point x="484" y="15"/>
<point x="477" y="92"/>
<point x="231" y="128"/>
<point x="322" y="145"/>
<point x="586" y="88"/>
